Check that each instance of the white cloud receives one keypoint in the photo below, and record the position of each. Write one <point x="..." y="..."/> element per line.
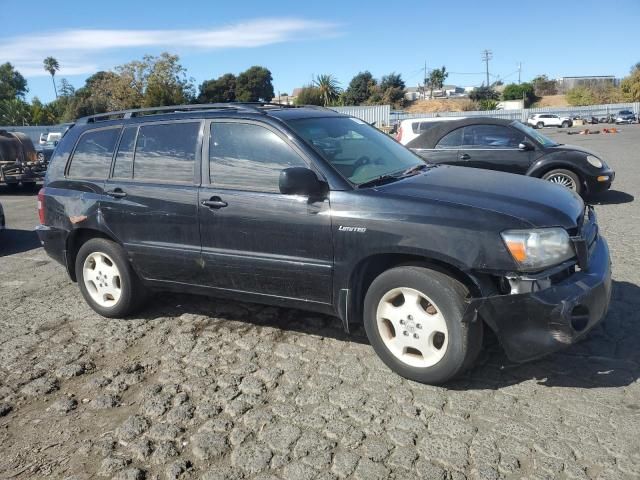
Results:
<point x="76" y="49"/>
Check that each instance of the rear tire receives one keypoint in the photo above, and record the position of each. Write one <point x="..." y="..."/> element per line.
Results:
<point x="565" y="125"/>
<point x="413" y="319"/>
<point x="106" y="279"/>
<point x="566" y="178"/>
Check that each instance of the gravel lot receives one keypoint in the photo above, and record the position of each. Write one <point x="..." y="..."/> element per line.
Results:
<point x="201" y="388"/>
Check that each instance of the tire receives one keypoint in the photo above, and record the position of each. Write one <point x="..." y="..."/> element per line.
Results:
<point x="438" y="356"/>
<point x="127" y="292"/>
<point x="564" y="177"/>
<point x="540" y="125"/>
<point x="565" y="125"/>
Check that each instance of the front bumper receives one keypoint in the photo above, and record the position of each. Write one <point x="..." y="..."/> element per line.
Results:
<point x="531" y="325"/>
<point x="594" y="185"/>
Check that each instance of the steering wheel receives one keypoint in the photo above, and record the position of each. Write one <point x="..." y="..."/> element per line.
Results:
<point x="364" y="160"/>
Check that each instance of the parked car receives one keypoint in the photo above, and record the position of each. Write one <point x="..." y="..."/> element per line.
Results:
<point x="413" y="127"/>
<point x="541" y="120"/>
<point x="44" y="151"/>
<point x="510" y="146"/>
<point x="625" y="116"/>
<point x="304" y="207"/>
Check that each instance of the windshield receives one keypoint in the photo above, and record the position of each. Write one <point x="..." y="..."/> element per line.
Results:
<point x="537" y="136"/>
<point x="358" y="151"/>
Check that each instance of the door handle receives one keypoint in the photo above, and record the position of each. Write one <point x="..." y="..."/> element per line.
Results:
<point x="464" y="156"/>
<point x="116" y="193"/>
<point x="214" y="202"/>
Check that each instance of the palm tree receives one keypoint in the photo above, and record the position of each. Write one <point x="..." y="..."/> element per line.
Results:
<point x="329" y="88"/>
<point x="51" y="65"/>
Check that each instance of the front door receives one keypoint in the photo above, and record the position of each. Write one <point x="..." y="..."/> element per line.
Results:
<point x="254" y="238"/>
<point x="495" y="147"/>
<point x="152" y="208"/>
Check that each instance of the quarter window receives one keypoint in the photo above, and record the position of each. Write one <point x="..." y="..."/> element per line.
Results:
<point x="93" y="154"/>
<point x="166" y="152"/>
<point x="245" y="156"/>
<point x="452" y="139"/>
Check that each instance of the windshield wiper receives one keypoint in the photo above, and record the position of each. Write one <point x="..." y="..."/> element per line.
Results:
<point x="381" y="180"/>
<point x="415" y="169"/>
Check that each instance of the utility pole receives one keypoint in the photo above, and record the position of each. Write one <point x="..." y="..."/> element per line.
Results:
<point x="519" y="70"/>
<point x="424" y="84"/>
<point x="486" y="56"/>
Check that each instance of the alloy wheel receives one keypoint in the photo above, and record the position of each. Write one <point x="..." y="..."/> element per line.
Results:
<point x="102" y="279"/>
<point x="412" y="327"/>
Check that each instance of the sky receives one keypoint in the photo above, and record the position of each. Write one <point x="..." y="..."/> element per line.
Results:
<point x="297" y="40"/>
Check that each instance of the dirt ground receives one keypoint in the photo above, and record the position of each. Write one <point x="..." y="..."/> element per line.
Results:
<point x="201" y="388"/>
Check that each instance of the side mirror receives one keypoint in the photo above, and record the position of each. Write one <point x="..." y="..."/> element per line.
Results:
<point x="301" y="181"/>
<point x="525" y="146"/>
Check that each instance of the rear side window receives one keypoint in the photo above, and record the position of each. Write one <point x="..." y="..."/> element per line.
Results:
<point x="493" y="136"/>
<point x="123" y="167"/>
<point x="244" y="156"/>
<point x="166" y="152"/>
<point x="93" y="153"/>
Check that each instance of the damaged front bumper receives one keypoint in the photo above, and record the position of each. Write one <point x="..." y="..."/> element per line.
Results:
<point x="530" y="325"/>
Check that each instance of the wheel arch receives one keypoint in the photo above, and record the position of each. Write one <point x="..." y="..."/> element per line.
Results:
<point x="368" y="268"/>
<point x="75" y="240"/>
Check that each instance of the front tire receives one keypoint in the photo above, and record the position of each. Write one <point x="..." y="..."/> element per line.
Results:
<point x="539" y="125"/>
<point x="565" y="178"/>
<point x="565" y="125"/>
<point x="106" y="280"/>
<point x="413" y="319"/>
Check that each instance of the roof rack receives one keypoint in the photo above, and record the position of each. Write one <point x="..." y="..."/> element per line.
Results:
<point x="253" y="107"/>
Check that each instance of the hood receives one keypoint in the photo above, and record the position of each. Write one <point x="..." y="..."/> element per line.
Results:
<point x="530" y="200"/>
<point x="572" y="148"/>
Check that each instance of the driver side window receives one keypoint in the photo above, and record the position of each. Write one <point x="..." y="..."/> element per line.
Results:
<point x="493" y="136"/>
<point x="244" y="156"/>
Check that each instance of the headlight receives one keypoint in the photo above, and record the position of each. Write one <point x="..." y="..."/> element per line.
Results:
<point x="595" y="161"/>
<point x="539" y="248"/>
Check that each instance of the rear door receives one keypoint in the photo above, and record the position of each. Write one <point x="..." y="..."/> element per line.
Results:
<point x="153" y="193"/>
<point x="254" y="238"/>
<point x="495" y="147"/>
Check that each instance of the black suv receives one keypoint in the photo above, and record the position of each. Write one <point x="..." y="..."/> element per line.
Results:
<point x="307" y="208"/>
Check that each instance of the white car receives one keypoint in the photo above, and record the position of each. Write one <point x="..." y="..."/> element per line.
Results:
<point x="540" y="120"/>
<point x="413" y="127"/>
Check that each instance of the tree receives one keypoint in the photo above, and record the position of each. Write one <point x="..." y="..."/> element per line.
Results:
<point x="483" y="93"/>
<point x="166" y="82"/>
<point x="309" y="95"/>
<point x="360" y="89"/>
<point x="51" y="65"/>
<point x="66" y="89"/>
<point x="12" y="83"/>
<point x="520" y="91"/>
<point x="14" y="111"/>
<point x="254" y="85"/>
<point x="630" y="86"/>
<point x="580" y="96"/>
<point x="436" y="79"/>
<point x="328" y="87"/>
<point x="221" y="89"/>
<point x="543" y="86"/>
<point x="42" y="114"/>
<point x="393" y="80"/>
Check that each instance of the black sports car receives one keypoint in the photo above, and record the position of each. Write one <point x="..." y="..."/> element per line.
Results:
<point x="511" y="146"/>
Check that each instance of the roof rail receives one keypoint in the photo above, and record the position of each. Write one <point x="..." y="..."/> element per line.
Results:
<point x="137" y="112"/>
<point x="254" y="107"/>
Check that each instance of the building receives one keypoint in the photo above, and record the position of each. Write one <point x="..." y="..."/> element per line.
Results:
<point x="567" y="83"/>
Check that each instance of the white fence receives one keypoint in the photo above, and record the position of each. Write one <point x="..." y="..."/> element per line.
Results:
<point x="523" y="114"/>
<point x="378" y="114"/>
<point x="383" y="115"/>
